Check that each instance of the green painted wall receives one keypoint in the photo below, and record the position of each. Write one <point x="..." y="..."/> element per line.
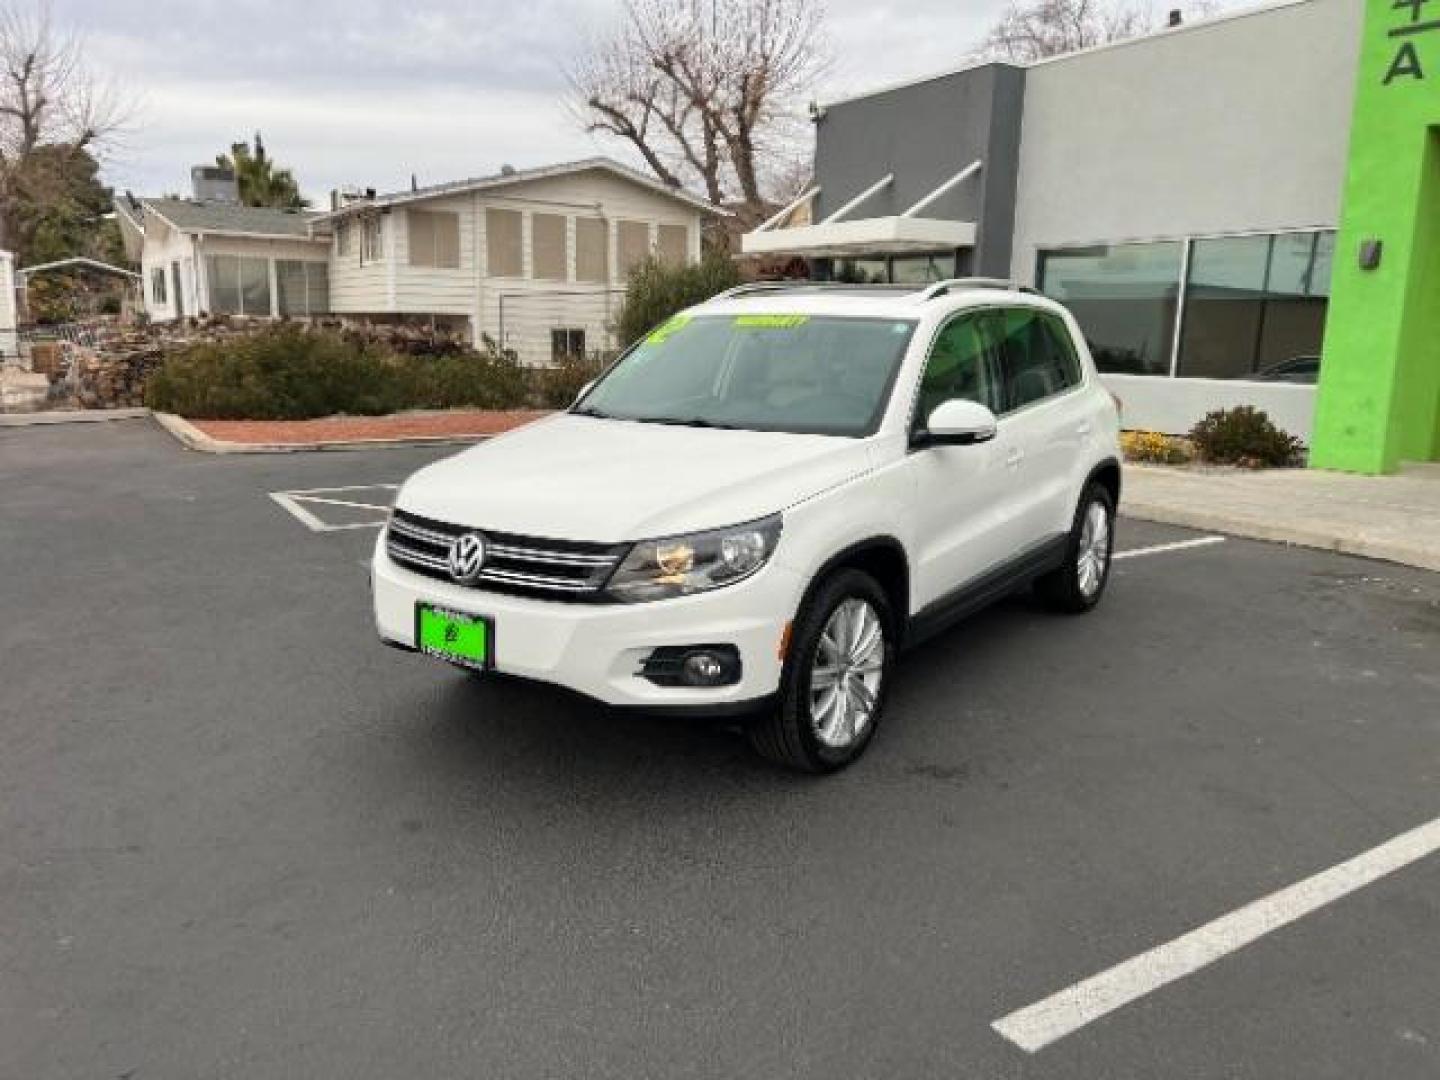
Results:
<point x="1379" y="395"/>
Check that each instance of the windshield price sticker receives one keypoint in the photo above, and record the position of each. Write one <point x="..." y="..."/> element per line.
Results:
<point x="770" y="322"/>
<point x="666" y="329"/>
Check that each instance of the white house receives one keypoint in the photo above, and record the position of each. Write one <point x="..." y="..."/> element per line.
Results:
<point x="535" y="259"/>
<point x="211" y="255"/>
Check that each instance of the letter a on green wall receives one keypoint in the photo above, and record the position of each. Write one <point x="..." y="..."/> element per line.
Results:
<point x="1379" y="396"/>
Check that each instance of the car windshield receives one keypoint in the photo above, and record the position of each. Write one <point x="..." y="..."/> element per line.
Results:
<point x="807" y="374"/>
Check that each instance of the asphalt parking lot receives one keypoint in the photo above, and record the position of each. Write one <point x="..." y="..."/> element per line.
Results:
<point x="239" y="838"/>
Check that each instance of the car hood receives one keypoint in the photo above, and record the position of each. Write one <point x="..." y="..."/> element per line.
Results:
<point x="580" y="478"/>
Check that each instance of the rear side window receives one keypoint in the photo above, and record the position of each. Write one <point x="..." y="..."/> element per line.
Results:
<point x="1037" y="357"/>
<point x="961" y="365"/>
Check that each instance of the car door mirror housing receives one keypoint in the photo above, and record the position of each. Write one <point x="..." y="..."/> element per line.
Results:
<point x="957" y="422"/>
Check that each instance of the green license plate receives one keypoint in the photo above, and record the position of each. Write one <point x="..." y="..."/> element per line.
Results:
<point x="455" y="636"/>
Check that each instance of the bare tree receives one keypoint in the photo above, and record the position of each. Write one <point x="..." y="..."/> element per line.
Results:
<point x="706" y="91"/>
<point x="49" y="102"/>
<point x="1032" y="31"/>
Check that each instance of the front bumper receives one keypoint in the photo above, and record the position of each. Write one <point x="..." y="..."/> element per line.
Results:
<point x="597" y="649"/>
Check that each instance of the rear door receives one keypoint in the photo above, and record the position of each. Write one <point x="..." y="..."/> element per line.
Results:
<point x="1046" y="415"/>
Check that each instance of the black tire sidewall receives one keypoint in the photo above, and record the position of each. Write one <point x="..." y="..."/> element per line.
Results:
<point x="1094" y="493"/>
<point x="809" y="624"/>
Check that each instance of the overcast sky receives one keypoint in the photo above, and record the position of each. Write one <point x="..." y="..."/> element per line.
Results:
<point x="368" y="92"/>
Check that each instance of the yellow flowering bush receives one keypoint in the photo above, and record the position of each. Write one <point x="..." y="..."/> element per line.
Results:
<point x="1155" y="448"/>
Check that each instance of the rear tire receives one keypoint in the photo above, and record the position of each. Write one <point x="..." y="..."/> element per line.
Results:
<point x="836" y="676"/>
<point x="1077" y="585"/>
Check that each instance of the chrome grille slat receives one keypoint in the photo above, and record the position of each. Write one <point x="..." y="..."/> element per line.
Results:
<point x="554" y="569"/>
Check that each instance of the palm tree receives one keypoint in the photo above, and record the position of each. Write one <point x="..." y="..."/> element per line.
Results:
<point x="260" y="182"/>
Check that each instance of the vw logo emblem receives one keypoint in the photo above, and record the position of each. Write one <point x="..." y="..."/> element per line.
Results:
<point x="467" y="558"/>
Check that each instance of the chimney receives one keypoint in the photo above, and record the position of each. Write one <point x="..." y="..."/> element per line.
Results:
<point x="345" y="196"/>
<point x="1176" y="18"/>
<point x="211" y="183"/>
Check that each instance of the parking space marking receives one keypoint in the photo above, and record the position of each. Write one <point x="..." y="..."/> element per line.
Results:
<point x="303" y="505"/>
<point x="1037" y="1026"/>
<point x="1178" y="545"/>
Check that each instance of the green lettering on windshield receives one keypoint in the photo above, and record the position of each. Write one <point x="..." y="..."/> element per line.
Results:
<point x="667" y="328"/>
<point x="770" y="322"/>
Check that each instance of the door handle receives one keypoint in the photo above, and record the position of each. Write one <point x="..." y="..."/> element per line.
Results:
<point x="1084" y="428"/>
<point x="1014" y="457"/>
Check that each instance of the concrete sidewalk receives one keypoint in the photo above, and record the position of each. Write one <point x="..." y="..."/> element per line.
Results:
<point x="1396" y="518"/>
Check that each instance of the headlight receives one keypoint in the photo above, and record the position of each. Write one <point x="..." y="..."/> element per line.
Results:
<point x="680" y="565"/>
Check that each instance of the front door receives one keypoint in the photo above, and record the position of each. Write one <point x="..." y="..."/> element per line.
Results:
<point x="966" y="521"/>
<point x="179" y="290"/>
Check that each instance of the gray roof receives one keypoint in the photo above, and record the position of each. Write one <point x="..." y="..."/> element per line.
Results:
<point x="192" y="216"/>
<point x="519" y="176"/>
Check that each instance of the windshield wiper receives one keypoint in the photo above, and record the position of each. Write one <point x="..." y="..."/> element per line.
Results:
<point x="590" y="410"/>
<point x="690" y="421"/>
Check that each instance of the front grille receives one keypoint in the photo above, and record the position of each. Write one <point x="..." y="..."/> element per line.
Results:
<point x="517" y="565"/>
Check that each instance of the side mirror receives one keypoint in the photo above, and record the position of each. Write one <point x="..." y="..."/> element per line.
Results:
<point x="957" y="422"/>
<point x="583" y="391"/>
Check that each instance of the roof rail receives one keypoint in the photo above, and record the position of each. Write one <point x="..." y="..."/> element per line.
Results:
<point x="940" y="288"/>
<point x="752" y="287"/>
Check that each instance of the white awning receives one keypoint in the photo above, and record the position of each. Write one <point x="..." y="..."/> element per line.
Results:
<point x="868" y="236"/>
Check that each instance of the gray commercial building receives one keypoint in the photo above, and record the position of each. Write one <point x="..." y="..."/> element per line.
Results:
<point x="1179" y="191"/>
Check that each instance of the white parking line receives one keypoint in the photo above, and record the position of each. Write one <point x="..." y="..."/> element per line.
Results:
<point x="298" y="503"/>
<point x="1178" y="545"/>
<point x="1037" y="1026"/>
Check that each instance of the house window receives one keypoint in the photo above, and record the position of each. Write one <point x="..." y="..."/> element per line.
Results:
<point x="342" y="238"/>
<point x="592" y="250"/>
<point x="303" y="287"/>
<point x="434" y="238"/>
<point x="157" y="285"/>
<point x="547" y="244"/>
<point x="566" y="344"/>
<point x="503" y="244"/>
<point x="372" y="239"/>
<point x="1255" y="305"/>
<point x="238" y="286"/>
<point x="1125" y="297"/>
<point x="673" y="245"/>
<point x="634" y="245"/>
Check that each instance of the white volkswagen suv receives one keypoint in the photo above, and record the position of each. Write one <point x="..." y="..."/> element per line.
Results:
<point x="754" y="508"/>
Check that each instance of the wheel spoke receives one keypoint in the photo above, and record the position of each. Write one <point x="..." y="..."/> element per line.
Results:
<point x="846" y="673"/>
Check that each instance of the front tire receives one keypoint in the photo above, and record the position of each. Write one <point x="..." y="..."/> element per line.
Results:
<point x="837" y="673"/>
<point x="1077" y="585"/>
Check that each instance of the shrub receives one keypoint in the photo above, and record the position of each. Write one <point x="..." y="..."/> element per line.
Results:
<point x="1244" y="436"/>
<point x="657" y="290"/>
<point x="1155" y="448"/>
<point x="290" y="372"/>
<point x="557" y="387"/>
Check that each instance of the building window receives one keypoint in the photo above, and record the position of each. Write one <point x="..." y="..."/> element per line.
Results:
<point x="434" y="238"/>
<point x="1124" y="296"/>
<point x="504" y="248"/>
<point x="592" y="250"/>
<point x="673" y="244"/>
<point x="372" y="239"/>
<point x="238" y="286"/>
<point x="922" y="269"/>
<point x="303" y="288"/>
<point x="157" y="285"/>
<point x="864" y="271"/>
<point x="566" y="344"/>
<point x="633" y="245"/>
<point x="1255" y="306"/>
<point x="342" y="238"/>
<point x="547" y="246"/>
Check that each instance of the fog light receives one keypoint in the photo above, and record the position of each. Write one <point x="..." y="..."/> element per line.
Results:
<point x="703" y="669"/>
<point x="692" y="665"/>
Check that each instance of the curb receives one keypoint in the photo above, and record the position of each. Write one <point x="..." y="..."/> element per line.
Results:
<point x="68" y="416"/>
<point x="192" y="438"/>
<point x="1210" y="521"/>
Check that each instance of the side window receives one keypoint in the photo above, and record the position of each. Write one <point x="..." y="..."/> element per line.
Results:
<point x="1037" y="357"/>
<point x="961" y="365"/>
